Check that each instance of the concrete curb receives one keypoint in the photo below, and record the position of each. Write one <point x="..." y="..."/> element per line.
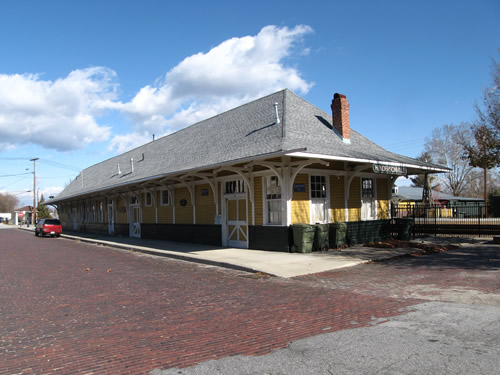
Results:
<point x="164" y="253"/>
<point x="284" y="265"/>
<point x="157" y="252"/>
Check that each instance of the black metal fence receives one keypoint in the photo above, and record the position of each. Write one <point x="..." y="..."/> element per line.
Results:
<point x="459" y="219"/>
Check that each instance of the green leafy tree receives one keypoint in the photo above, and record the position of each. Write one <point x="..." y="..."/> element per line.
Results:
<point x="42" y="210"/>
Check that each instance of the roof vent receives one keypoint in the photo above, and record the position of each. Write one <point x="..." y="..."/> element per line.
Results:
<point x="277" y="121"/>
<point x="119" y="171"/>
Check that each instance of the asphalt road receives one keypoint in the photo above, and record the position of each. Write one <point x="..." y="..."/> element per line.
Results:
<point x="72" y="308"/>
<point x="435" y="338"/>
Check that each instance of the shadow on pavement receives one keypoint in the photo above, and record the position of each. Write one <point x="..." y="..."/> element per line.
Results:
<point x="183" y="247"/>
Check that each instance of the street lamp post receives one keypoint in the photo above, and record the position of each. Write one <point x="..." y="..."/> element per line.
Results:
<point x="33" y="218"/>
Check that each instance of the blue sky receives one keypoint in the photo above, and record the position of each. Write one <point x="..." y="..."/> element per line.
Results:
<point x="81" y="81"/>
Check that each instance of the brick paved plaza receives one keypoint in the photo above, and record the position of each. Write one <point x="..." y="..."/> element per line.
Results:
<point x="73" y="308"/>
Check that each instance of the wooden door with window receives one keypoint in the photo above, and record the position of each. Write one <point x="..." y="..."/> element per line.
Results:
<point x="134" y="217"/>
<point x="318" y="199"/>
<point x="236" y="222"/>
<point x="368" y="202"/>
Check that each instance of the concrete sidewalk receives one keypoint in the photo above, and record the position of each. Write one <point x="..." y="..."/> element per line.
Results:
<point x="269" y="262"/>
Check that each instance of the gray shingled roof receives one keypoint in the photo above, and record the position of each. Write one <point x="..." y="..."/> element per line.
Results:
<point x="248" y="131"/>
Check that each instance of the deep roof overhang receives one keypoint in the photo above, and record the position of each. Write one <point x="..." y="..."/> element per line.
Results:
<point x="173" y="174"/>
<point x="424" y="169"/>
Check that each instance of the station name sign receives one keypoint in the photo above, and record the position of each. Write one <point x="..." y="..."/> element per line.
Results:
<point x="390" y="169"/>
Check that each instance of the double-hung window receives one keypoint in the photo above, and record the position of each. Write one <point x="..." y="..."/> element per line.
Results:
<point x="273" y="200"/>
<point x="164" y="198"/>
<point x="148" y="199"/>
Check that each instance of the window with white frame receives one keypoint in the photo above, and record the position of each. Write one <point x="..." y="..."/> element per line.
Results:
<point x="273" y="200"/>
<point x="234" y="187"/>
<point x="318" y="195"/>
<point x="148" y="199"/>
<point x="165" y="199"/>
<point x="367" y="188"/>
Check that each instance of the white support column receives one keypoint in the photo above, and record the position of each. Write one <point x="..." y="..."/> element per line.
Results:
<point x="171" y="193"/>
<point x="192" y="191"/>
<point x="349" y="176"/>
<point x="346" y="197"/>
<point x="153" y="197"/>
<point x="216" y="195"/>
<point x="288" y="192"/>
<point x="390" y="184"/>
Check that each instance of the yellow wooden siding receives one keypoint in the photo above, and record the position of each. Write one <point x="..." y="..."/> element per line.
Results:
<point x="249" y="216"/>
<point x="165" y="213"/>
<point x="354" y="203"/>
<point x="258" y="201"/>
<point x="205" y="206"/>
<point x="148" y="212"/>
<point x="105" y="210"/>
<point x="300" y="201"/>
<point x="121" y="211"/>
<point x="183" y="214"/>
<point x="382" y="198"/>
<point x="219" y="199"/>
<point x="337" y="199"/>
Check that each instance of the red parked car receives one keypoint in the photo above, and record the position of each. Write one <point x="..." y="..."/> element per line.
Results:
<point x="48" y="226"/>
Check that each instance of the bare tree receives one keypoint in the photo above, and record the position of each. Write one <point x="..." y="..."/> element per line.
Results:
<point x="445" y="146"/>
<point x="8" y="202"/>
<point x="483" y="149"/>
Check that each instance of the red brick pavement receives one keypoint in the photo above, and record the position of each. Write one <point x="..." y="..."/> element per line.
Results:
<point x="74" y="308"/>
<point x="474" y="268"/>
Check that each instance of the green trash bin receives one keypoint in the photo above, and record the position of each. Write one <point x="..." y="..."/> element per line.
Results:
<point x="303" y="238"/>
<point x="321" y="240"/>
<point x="405" y="229"/>
<point x="338" y="235"/>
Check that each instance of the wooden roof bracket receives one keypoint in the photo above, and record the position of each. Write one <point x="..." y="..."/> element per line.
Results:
<point x="350" y="176"/>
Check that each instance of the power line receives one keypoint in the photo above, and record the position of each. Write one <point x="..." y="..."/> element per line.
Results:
<point x="15" y="182"/>
<point x="403" y="143"/>
<point x="13" y="175"/>
<point x="45" y="178"/>
<point x="15" y="158"/>
<point x="60" y="165"/>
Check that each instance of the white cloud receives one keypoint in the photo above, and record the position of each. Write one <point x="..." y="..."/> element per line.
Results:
<point x="202" y="85"/>
<point x="50" y="191"/>
<point x="59" y="115"/>
<point x="64" y="114"/>
<point x="245" y="67"/>
<point x="124" y="142"/>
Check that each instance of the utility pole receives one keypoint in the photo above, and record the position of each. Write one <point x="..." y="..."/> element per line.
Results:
<point x="33" y="218"/>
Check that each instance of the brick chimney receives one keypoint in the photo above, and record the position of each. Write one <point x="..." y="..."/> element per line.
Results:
<point x="340" y="114"/>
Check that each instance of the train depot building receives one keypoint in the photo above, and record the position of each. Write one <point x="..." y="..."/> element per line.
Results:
<point x="241" y="178"/>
